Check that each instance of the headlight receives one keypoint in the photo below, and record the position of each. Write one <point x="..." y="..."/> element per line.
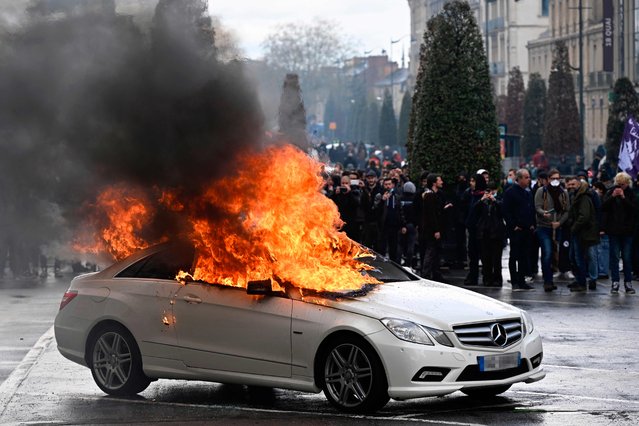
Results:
<point x="528" y="323"/>
<point x="408" y="331"/>
<point x="439" y="336"/>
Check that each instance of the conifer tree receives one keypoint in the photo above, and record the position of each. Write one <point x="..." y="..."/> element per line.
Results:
<point x="372" y="123"/>
<point x="454" y="125"/>
<point x="625" y="103"/>
<point x="561" y="125"/>
<point x="534" y="113"/>
<point x="404" y="119"/>
<point x="292" y="114"/>
<point x="388" y="123"/>
<point x="515" y="101"/>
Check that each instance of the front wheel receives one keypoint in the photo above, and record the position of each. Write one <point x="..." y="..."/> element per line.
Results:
<point x="115" y="362"/>
<point x="353" y="377"/>
<point x="486" y="392"/>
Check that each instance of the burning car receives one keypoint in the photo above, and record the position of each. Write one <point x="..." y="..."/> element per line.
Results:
<point x="133" y="323"/>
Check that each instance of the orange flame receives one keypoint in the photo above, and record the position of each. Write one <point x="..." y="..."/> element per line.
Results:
<point x="268" y="221"/>
<point x="121" y="215"/>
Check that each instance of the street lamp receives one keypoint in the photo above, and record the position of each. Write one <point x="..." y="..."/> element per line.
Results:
<point x="392" y="88"/>
<point x="581" y="81"/>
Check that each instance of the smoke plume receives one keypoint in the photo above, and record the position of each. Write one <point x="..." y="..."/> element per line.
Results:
<point x="88" y="99"/>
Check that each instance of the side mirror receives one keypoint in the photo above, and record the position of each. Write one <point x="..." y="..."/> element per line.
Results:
<point x="261" y="287"/>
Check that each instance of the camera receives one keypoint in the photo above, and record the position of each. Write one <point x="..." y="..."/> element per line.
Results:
<point x="342" y="188"/>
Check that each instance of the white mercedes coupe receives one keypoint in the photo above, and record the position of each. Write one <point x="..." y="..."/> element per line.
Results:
<point x="133" y="323"/>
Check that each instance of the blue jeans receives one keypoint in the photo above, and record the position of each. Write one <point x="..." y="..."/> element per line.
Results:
<point x="603" y="255"/>
<point x="578" y="259"/>
<point x="621" y="243"/>
<point x="546" y="243"/>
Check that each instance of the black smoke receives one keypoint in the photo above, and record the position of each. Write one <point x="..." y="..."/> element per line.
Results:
<point x="88" y="98"/>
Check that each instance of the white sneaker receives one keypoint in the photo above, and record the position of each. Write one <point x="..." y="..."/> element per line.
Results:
<point x="567" y="275"/>
<point x="529" y="280"/>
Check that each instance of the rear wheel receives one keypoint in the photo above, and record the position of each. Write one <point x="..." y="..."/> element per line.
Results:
<point x="353" y="377"/>
<point x="115" y="362"/>
<point x="486" y="392"/>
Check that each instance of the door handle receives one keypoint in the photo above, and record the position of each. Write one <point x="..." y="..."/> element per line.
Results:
<point x="192" y="299"/>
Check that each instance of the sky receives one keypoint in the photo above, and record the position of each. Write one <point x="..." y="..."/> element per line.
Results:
<point x="371" y="23"/>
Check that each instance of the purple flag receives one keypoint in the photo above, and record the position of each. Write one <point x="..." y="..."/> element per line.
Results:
<point x="629" y="148"/>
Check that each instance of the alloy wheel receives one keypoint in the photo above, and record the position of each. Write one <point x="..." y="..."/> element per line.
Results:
<point x="112" y="360"/>
<point x="348" y="375"/>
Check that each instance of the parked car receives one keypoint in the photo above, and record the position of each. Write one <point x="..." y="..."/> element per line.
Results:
<point x="133" y="323"/>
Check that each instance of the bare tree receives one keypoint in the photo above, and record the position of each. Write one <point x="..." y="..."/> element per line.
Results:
<point x="306" y="48"/>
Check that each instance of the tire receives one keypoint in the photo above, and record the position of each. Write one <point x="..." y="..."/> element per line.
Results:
<point x="115" y="361"/>
<point x="352" y="376"/>
<point x="486" y="392"/>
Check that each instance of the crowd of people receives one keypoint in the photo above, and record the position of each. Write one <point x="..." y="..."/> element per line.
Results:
<point x="566" y="226"/>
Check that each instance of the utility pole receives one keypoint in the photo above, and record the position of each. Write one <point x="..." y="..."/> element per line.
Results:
<point x="581" y="84"/>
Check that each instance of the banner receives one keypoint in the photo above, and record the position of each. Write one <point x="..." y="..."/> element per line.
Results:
<point x="629" y="148"/>
<point x="608" y="36"/>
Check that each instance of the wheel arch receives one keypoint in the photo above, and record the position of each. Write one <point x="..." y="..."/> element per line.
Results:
<point x="329" y="339"/>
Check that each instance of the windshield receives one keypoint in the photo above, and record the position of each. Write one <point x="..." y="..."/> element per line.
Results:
<point x="385" y="270"/>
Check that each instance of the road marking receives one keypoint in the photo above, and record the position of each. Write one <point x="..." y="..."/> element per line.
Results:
<point x="9" y="387"/>
<point x="608" y="371"/>
<point x="590" y="398"/>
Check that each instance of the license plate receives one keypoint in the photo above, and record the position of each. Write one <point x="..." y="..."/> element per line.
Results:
<point x="499" y="362"/>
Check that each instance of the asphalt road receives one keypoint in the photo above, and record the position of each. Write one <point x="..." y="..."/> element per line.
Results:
<point x="590" y="347"/>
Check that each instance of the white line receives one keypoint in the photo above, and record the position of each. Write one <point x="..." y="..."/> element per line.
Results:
<point x="591" y="398"/>
<point x="9" y="387"/>
<point x="590" y="369"/>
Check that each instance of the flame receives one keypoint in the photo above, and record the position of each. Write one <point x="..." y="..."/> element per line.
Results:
<point x="270" y="220"/>
<point x="120" y="213"/>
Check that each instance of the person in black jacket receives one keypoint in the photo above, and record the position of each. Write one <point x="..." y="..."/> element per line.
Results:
<point x="519" y="213"/>
<point x="490" y="232"/>
<point x="347" y="199"/>
<point x="476" y="194"/>
<point x="392" y="222"/>
<point x="431" y="226"/>
<point x="619" y="209"/>
<point x="408" y="239"/>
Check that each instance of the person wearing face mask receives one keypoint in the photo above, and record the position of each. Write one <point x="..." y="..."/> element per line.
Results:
<point x="551" y="207"/>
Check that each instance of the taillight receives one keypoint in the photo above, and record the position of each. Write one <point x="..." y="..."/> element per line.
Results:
<point x="69" y="295"/>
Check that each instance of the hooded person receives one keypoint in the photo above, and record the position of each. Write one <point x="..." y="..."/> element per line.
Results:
<point x="584" y="231"/>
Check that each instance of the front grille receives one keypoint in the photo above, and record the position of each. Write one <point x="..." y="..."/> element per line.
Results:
<point x="487" y="335"/>
<point x="472" y="373"/>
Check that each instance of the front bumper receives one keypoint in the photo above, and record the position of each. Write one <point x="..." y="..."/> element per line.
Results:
<point x="453" y="368"/>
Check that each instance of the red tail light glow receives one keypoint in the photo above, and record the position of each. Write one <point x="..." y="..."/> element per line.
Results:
<point x="69" y="295"/>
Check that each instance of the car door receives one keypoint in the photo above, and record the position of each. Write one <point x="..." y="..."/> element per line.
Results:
<point x="144" y="294"/>
<point x="223" y="328"/>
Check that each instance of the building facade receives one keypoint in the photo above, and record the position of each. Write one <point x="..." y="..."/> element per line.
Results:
<point x="610" y="39"/>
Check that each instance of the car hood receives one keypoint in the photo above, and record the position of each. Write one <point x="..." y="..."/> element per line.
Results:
<point x="425" y="302"/>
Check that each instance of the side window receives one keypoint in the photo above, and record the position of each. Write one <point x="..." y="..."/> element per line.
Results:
<point x="162" y="265"/>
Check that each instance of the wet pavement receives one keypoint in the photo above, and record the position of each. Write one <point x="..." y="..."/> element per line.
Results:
<point x="590" y="355"/>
